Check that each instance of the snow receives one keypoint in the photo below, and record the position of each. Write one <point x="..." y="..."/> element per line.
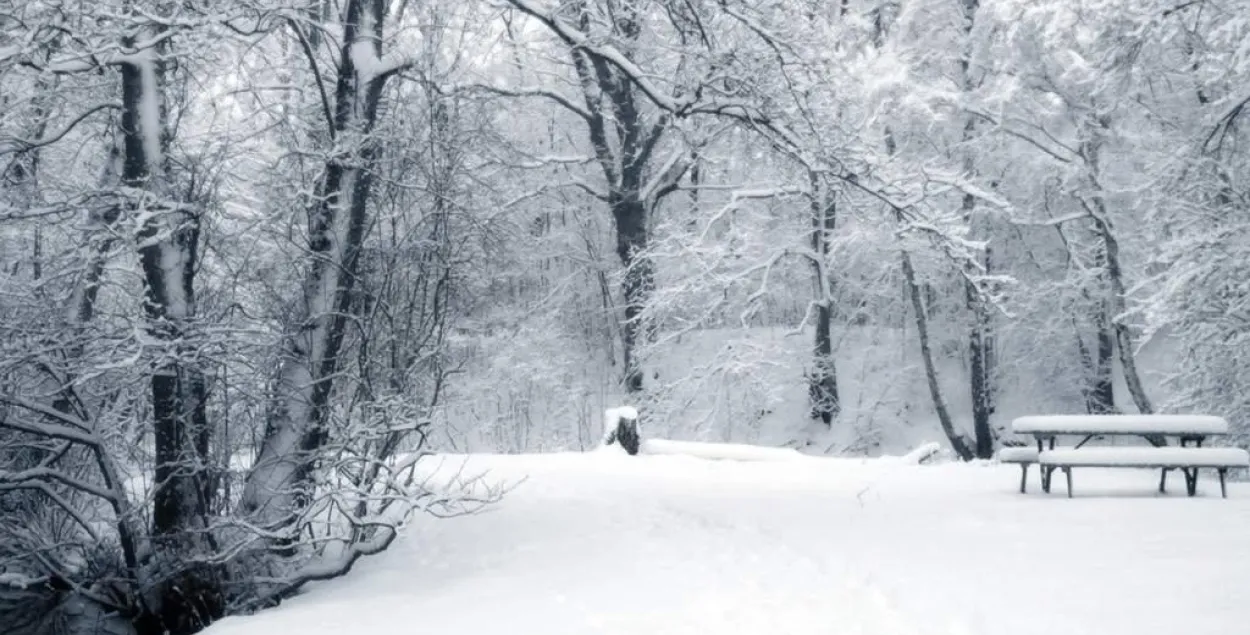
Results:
<point x="1147" y="456"/>
<point x="1018" y="455"/>
<point x="150" y="108"/>
<point x="15" y="580"/>
<point x="366" y="61"/>
<point x="1121" y="424"/>
<point x="611" y="544"/>
<point x="622" y="412"/>
<point x="721" y="451"/>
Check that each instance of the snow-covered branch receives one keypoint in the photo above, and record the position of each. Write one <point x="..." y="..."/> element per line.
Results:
<point x="553" y="96"/>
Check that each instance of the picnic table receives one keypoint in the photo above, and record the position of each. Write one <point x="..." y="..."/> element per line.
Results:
<point x="1190" y="432"/>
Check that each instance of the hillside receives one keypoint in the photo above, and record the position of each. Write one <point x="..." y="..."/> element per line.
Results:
<point x="747" y="386"/>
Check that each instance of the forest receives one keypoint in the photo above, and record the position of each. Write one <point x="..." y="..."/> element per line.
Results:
<point x="260" y="257"/>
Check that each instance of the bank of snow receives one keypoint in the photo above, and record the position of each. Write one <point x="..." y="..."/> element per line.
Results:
<point x="605" y="543"/>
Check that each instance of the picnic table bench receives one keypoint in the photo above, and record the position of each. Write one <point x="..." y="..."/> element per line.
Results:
<point x="1191" y="431"/>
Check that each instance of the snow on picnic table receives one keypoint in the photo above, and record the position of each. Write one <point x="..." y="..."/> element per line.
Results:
<point x="1120" y="424"/>
<point x="1147" y="456"/>
<point x="605" y="543"/>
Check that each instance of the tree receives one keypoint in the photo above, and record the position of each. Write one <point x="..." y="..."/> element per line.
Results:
<point x="624" y="139"/>
<point x="338" y="219"/>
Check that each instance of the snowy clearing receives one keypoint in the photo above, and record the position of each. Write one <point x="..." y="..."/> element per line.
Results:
<point x="605" y="543"/>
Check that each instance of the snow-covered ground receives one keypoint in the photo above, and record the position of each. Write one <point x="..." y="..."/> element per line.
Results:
<point x="604" y="543"/>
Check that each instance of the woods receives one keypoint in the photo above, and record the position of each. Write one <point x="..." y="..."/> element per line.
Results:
<point x="259" y="258"/>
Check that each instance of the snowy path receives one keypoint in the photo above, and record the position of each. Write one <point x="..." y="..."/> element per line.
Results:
<point x="669" y="544"/>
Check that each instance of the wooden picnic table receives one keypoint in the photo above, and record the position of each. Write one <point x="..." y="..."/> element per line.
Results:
<point x="1188" y="429"/>
<point x="1190" y="432"/>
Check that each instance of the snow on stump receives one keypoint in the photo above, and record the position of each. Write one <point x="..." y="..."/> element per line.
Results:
<point x="620" y="425"/>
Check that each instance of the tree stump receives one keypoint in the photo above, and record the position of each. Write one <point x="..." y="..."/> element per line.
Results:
<point x="621" y="426"/>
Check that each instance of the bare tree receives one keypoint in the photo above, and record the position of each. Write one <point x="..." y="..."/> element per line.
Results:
<point x="337" y="222"/>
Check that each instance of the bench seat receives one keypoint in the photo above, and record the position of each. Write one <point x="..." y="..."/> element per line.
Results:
<point x="1019" y="454"/>
<point x="1188" y="460"/>
<point x="1169" y="457"/>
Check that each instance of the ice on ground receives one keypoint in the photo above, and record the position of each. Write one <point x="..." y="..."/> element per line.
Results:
<point x="1121" y="424"/>
<point x="607" y="543"/>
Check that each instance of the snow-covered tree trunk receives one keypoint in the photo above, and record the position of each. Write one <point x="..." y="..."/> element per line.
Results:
<point x="168" y="243"/>
<point x="1101" y="386"/>
<point x="631" y="218"/>
<point x="297" y="423"/>
<point x="182" y="598"/>
<point x="980" y="337"/>
<point x="624" y="143"/>
<point x="1116" y="291"/>
<point x="823" y="381"/>
<point x="930" y="367"/>
<point x="912" y="290"/>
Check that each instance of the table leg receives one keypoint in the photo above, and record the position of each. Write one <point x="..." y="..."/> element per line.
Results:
<point x="1163" y="481"/>
<point x="1191" y="480"/>
<point x="1067" y="473"/>
<point x="1223" y="488"/>
<point x="1024" y="476"/>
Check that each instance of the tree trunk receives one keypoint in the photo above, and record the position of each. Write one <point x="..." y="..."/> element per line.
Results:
<point x="980" y="382"/>
<point x="926" y="353"/>
<point x="177" y="598"/>
<point x="915" y="293"/>
<point x="1102" y="391"/>
<point x="168" y="245"/>
<point x="1116" y="290"/>
<point x="1123" y="336"/>
<point x="980" y="342"/>
<point x="296" y="430"/>
<point x="623" y="144"/>
<point x="823" y="381"/>
<point x="631" y="242"/>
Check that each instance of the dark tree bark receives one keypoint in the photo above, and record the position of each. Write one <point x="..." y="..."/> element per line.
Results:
<point x="1101" y="390"/>
<point x="980" y="336"/>
<point x="823" y="380"/>
<point x="167" y="253"/>
<point x="913" y="291"/>
<point x="981" y="382"/>
<point x="624" y="144"/>
<point x="1116" y="293"/>
<point x="957" y="441"/>
<point x="626" y="433"/>
<point x="297" y="424"/>
<point x="179" y="598"/>
<point x="639" y="282"/>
